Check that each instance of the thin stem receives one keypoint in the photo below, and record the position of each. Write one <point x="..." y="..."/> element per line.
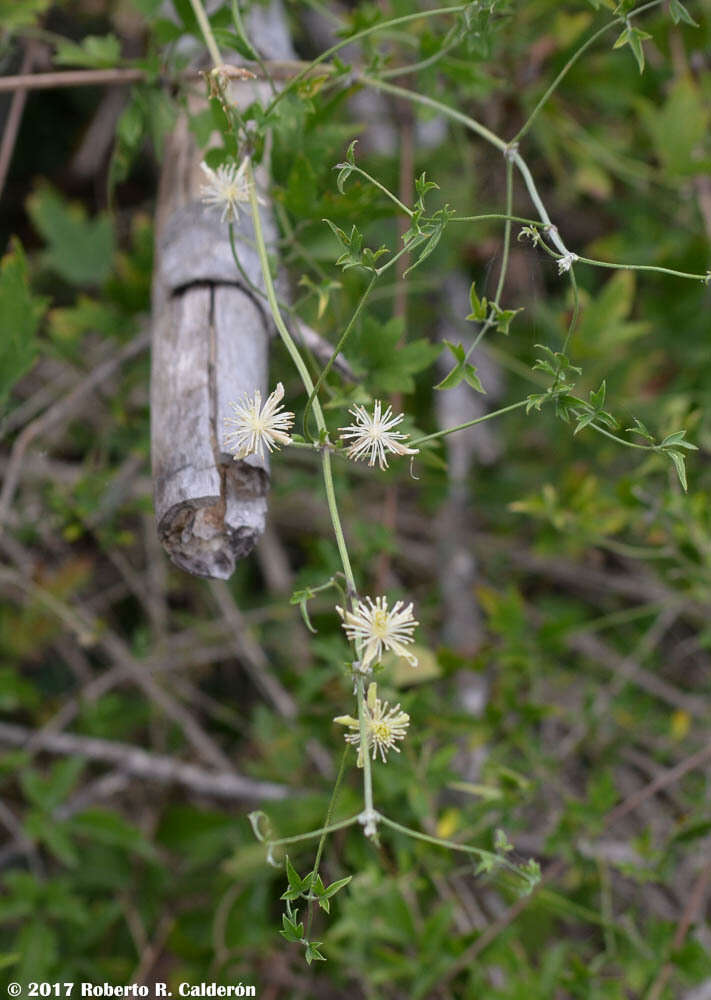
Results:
<point x="291" y="241"/>
<point x="450" y="844"/>
<point x="704" y="278"/>
<point x="377" y="184"/>
<point x="121" y="76"/>
<point x="351" y="39"/>
<point x="485" y="133"/>
<point x="609" y="434"/>
<point x="305" y="378"/>
<point x="446" y="47"/>
<point x="339" y="347"/>
<point x="245" y="277"/>
<point x="494" y="215"/>
<point x="619" y="440"/>
<point x="470" y="423"/>
<point x="504" y="260"/>
<point x="571" y="62"/>
<point x="324" y="586"/>
<point x="322" y="841"/>
<point x="335" y="518"/>
<point x="326" y="12"/>
<point x="367" y="771"/>
<point x="331" y="807"/>
<point x="522" y="166"/>
<point x="554" y="85"/>
<point x="239" y="25"/>
<point x="396" y="257"/>
<point x="325" y="461"/>
<point x="292" y="309"/>
<point x="412" y="95"/>
<point x="576" y="310"/>
<point x="312" y="834"/>
<point x="646" y="267"/>
<point x="538" y="203"/>
<point x="206" y="30"/>
<point x="507" y="230"/>
<point x="14" y="117"/>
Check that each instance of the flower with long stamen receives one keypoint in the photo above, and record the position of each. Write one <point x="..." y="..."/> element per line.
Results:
<point x="375" y="629"/>
<point x="255" y="427"/>
<point x="372" y="436"/>
<point x="383" y="726"/>
<point x="226" y="187"/>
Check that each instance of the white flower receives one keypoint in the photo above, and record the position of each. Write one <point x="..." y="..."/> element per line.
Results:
<point x="566" y="262"/>
<point x="383" y="726"/>
<point x="256" y="426"/>
<point x="226" y="187"/>
<point x="372" y="436"/>
<point x="380" y="629"/>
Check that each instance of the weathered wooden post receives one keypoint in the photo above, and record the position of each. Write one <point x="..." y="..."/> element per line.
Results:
<point x="210" y="346"/>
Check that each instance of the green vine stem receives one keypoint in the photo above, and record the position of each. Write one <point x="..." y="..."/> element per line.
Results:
<point x="452" y="845"/>
<point x="306" y="380"/>
<point x="322" y="841"/>
<point x="473" y="125"/>
<point x="339" y="347"/>
<point x="313" y="834"/>
<point x="704" y="278"/>
<point x="327" y="471"/>
<point x="369" y="818"/>
<point x="572" y="61"/>
<point x="504" y="260"/>
<point x="352" y="39"/>
<point x="352" y="168"/>
<point x="410" y="95"/>
<point x="470" y="423"/>
<point x="206" y="30"/>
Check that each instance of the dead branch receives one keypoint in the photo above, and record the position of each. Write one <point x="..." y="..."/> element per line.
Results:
<point x="146" y="766"/>
<point x="14" y="118"/>
<point x="259" y="669"/>
<point x="693" y="908"/>
<point x="88" y="630"/>
<point x="60" y="411"/>
<point x="278" y="69"/>
<point x="558" y="867"/>
<point x="625" y="667"/>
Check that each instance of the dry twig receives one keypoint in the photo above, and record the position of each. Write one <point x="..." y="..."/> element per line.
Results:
<point x="59" y="412"/>
<point x="147" y="766"/>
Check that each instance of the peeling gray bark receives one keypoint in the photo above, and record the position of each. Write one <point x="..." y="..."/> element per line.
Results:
<point x="210" y="509"/>
<point x="210" y="347"/>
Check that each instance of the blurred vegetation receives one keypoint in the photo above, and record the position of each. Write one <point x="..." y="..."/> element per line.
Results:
<point x="594" y="566"/>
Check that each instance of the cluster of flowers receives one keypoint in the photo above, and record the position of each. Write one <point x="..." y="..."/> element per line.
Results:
<point x="373" y="627"/>
<point x="253" y="427"/>
<point x="375" y="630"/>
<point x="256" y="427"/>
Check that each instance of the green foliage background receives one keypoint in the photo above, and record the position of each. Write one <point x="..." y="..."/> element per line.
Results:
<point x="574" y="536"/>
